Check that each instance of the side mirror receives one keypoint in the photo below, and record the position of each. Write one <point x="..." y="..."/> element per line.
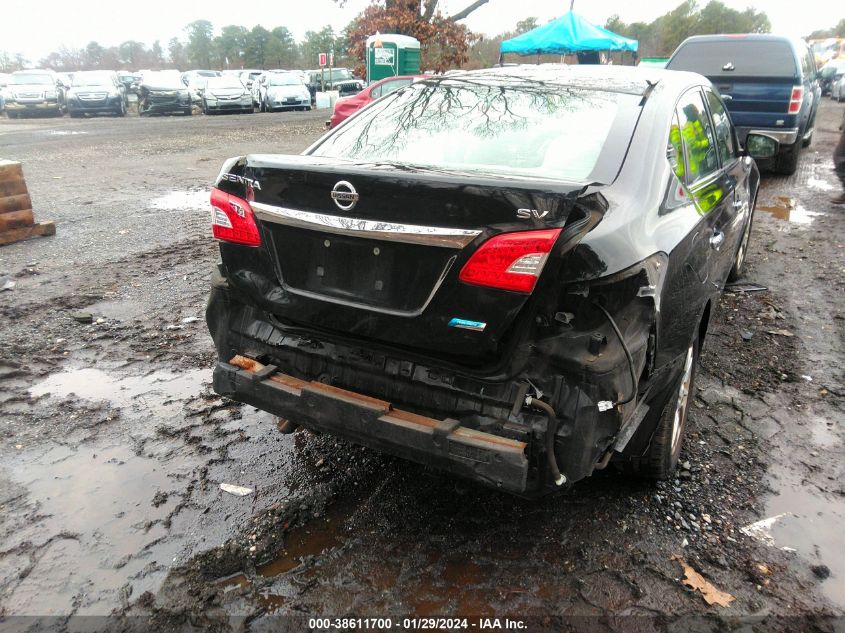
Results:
<point x="760" y="146"/>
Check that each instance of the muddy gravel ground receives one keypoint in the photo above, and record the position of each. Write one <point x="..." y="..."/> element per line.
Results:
<point x="113" y="446"/>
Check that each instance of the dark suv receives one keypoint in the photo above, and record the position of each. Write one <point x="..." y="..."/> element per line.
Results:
<point x="769" y="83"/>
<point x="340" y="79"/>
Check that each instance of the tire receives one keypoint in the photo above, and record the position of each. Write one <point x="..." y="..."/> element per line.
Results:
<point x="664" y="450"/>
<point x="188" y="111"/>
<point x="742" y="250"/>
<point x="806" y="142"/>
<point x="75" y="115"/>
<point x="787" y="162"/>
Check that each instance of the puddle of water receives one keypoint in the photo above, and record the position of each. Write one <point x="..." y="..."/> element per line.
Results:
<point x="182" y="201"/>
<point x="818" y="183"/>
<point x="823" y="435"/>
<point x="122" y="309"/>
<point x="159" y="393"/>
<point x="301" y="545"/>
<point x="788" y="209"/>
<point x="102" y="496"/>
<point x="814" y="529"/>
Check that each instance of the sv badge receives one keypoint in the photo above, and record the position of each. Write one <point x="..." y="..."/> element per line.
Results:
<point x="527" y="214"/>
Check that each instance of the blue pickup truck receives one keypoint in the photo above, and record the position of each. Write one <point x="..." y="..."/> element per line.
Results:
<point x="768" y="82"/>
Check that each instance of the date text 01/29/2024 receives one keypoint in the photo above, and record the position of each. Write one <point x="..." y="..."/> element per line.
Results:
<point x="415" y="624"/>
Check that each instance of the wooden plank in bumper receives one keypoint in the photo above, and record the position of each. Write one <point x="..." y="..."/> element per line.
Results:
<point x="491" y="459"/>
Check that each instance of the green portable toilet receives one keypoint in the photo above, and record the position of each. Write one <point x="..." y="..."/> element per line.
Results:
<point x="390" y="55"/>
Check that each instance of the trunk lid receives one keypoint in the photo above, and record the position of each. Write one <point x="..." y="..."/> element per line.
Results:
<point x="374" y="251"/>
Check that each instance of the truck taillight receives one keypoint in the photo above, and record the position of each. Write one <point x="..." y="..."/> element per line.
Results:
<point x="795" y="99"/>
<point x="232" y="219"/>
<point x="510" y="261"/>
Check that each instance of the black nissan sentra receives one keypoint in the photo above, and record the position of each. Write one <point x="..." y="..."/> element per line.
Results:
<point x="505" y="274"/>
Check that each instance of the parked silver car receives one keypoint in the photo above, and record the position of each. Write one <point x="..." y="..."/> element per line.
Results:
<point x="226" y="94"/>
<point x="282" y="91"/>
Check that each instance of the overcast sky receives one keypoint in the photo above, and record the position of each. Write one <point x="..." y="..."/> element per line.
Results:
<point x="36" y="28"/>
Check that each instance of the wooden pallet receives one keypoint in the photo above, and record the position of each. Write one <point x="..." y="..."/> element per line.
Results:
<point x="17" y="222"/>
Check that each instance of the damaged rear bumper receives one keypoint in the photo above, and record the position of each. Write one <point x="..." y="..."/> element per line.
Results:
<point x="444" y="444"/>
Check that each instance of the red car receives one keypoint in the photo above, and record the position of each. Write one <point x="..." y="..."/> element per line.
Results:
<point x="346" y="107"/>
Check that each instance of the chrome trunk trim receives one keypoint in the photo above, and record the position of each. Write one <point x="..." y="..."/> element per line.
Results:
<point x="369" y="229"/>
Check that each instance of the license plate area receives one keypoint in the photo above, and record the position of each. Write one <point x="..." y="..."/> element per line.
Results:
<point x="378" y="273"/>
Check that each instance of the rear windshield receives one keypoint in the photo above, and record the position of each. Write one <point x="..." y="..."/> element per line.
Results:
<point x="756" y="58"/>
<point x="525" y="129"/>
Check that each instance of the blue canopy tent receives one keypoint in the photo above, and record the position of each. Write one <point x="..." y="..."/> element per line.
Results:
<point x="570" y="33"/>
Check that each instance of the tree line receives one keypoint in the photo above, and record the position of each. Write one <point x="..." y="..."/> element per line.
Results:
<point x="235" y="46"/>
<point x="445" y="43"/>
<point x="663" y="35"/>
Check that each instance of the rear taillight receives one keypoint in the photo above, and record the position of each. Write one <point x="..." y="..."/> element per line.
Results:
<point x="232" y="219"/>
<point x="795" y="99"/>
<point x="510" y="261"/>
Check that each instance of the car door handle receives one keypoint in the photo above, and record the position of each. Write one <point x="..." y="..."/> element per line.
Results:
<point x="727" y="97"/>
<point x="738" y="204"/>
<point x="716" y="240"/>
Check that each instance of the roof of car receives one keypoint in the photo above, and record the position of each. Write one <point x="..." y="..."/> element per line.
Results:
<point x="632" y="80"/>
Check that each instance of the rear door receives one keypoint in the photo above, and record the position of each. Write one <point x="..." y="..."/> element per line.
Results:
<point x="711" y="187"/>
<point x="733" y="181"/>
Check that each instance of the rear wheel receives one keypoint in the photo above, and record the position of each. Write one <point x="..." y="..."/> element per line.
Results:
<point x="807" y="141"/>
<point x="665" y="448"/>
<point x="739" y="261"/>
